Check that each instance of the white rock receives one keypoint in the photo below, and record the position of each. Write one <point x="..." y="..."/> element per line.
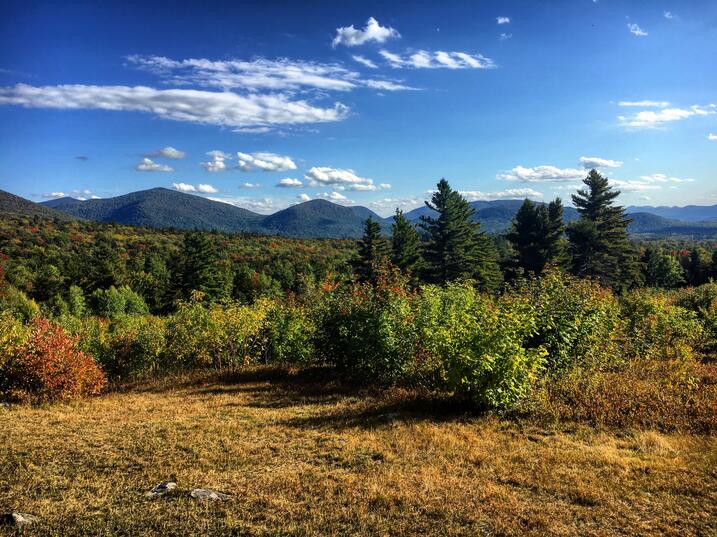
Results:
<point x="17" y="519"/>
<point x="206" y="494"/>
<point x="162" y="489"/>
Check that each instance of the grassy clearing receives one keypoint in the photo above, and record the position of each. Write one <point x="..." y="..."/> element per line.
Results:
<point x="305" y="456"/>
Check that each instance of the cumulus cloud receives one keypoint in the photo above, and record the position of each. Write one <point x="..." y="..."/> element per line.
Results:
<point x="225" y="109"/>
<point x="365" y="61"/>
<point x="167" y="152"/>
<point x="184" y="187"/>
<point x="323" y="175"/>
<point x="651" y="119"/>
<point x="336" y="197"/>
<point x="148" y="165"/>
<point x="206" y="189"/>
<point x="662" y="178"/>
<point x="668" y="15"/>
<point x="303" y="197"/>
<point x="636" y="30"/>
<point x="424" y="59"/>
<point x="260" y="205"/>
<point x="351" y="37"/>
<point x="52" y="195"/>
<point x="268" y="162"/>
<point x="597" y="162"/>
<point x="541" y="174"/>
<point x="218" y="162"/>
<point x="511" y="193"/>
<point x="504" y="36"/>
<point x="645" y="103"/>
<point x="288" y="182"/>
<point x="712" y="137"/>
<point x="503" y="20"/>
<point x="250" y="185"/>
<point x="387" y="206"/>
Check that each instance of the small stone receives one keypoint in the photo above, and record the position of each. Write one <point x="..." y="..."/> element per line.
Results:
<point x="17" y="519"/>
<point x="162" y="489"/>
<point x="206" y="494"/>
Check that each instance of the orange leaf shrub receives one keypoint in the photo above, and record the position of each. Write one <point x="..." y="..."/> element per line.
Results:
<point x="49" y="366"/>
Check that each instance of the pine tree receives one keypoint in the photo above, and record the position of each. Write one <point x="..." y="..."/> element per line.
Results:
<point x="536" y="235"/>
<point x="456" y="249"/>
<point x="405" y="244"/>
<point x="599" y="241"/>
<point x="373" y="252"/>
<point x="201" y="269"/>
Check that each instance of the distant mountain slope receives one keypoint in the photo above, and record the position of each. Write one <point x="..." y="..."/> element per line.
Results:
<point x="161" y="208"/>
<point x="319" y="218"/>
<point x="689" y="213"/>
<point x="12" y="204"/>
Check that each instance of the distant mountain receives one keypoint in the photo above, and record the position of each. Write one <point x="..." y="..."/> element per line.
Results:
<point x="319" y="218"/>
<point x="161" y="208"/>
<point x="689" y="213"/>
<point x="12" y="204"/>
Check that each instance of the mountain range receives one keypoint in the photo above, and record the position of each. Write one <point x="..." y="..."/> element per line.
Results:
<point x="164" y="208"/>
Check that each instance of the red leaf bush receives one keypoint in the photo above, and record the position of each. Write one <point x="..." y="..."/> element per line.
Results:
<point x="48" y="366"/>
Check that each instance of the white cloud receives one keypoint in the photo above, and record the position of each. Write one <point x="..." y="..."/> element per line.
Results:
<point x="387" y="85"/>
<point x="662" y="178"/>
<point x="712" y="137"/>
<point x="324" y="175"/>
<point x="259" y="74"/>
<point x="387" y="206"/>
<point x="511" y="193"/>
<point x="636" y="30"/>
<point x="218" y="162"/>
<point x="634" y="185"/>
<point x="336" y="197"/>
<point x="424" y="59"/>
<point x="268" y="162"/>
<point x="288" y="182"/>
<point x="167" y="152"/>
<point x="365" y="61"/>
<point x="250" y="185"/>
<point x="351" y="37"/>
<point x="597" y="162"/>
<point x="224" y="108"/>
<point x="184" y="187"/>
<point x="541" y="174"/>
<point x="503" y="20"/>
<point x="650" y="119"/>
<point x="148" y="165"/>
<point x="303" y="197"/>
<point x="51" y="195"/>
<point x="260" y="205"/>
<point x="504" y="36"/>
<point x="645" y="104"/>
<point x="668" y="15"/>
<point x="206" y="189"/>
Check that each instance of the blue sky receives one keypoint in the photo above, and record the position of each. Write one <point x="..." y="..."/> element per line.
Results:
<point x="265" y="104"/>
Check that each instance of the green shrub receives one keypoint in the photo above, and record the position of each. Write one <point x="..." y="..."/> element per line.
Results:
<point x="289" y="332"/>
<point x="116" y="302"/>
<point x="17" y="303"/>
<point x="134" y="347"/>
<point x="577" y="321"/>
<point x="702" y="301"/>
<point x="477" y="343"/>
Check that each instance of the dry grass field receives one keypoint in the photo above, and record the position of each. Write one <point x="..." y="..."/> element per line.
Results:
<point x="304" y="456"/>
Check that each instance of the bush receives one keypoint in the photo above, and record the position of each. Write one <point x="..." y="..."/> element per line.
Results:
<point x="577" y="321"/>
<point x="656" y="329"/>
<point x="17" y="303"/>
<point x="476" y="344"/>
<point x="48" y="366"/>
<point x="702" y="301"/>
<point x="367" y="331"/>
<point x="135" y="347"/>
<point x="289" y="333"/>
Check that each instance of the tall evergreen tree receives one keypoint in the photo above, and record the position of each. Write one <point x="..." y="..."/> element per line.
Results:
<point x="536" y="235"/>
<point x="599" y="243"/>
<point x="373" y="252"/>
<point x="456" y="249"/>
<point x="200" y="268"/>
<point x="405" y="244"/>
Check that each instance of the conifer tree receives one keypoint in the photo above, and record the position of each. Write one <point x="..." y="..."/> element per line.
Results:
<point x="201" y="269"/>
<point x="405" y="244"/>
<point x="456" y="249"/>
<point x="536" y="235"/>
<point x="373" y="252"/>
<point x="599" y="243"/>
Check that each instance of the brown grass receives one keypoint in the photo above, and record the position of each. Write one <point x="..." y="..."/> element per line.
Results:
<point x="305" y="456"/>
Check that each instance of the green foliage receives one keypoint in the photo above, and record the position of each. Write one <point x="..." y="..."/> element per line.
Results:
<point x="662" y="269"/>
<point x="537" y="235"/>
<point x="117" y="302"/>
<point x="373" y="252"/>
<point x="455" y="249"/>
<point x="289" y="332"/>
<point x="17" y="303"/>
<point x="599" y="242"/>
<point x="201" y="269"/>
<point x="405" y="245"/>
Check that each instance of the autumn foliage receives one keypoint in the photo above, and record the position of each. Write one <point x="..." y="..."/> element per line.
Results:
<point x="48" y="366"/>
